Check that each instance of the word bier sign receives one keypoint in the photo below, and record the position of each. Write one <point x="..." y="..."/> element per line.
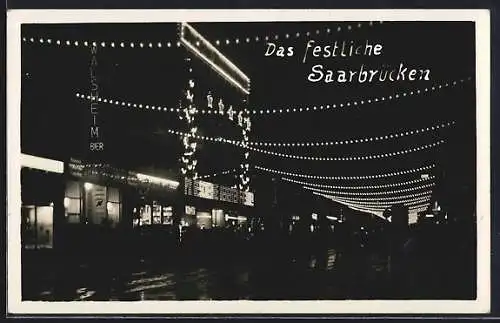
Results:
<point x="216" y="192"/>
<point x="95" y="144"/>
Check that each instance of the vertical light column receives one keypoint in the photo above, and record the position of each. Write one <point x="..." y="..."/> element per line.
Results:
<point x="188" y="113"/>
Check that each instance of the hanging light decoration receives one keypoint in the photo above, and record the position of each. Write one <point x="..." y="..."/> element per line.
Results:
<point x="324" y="107"/>
<point x="188" y="112"/>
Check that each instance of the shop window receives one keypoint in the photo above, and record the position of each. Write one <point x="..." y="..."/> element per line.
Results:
<point x="114" y="206"/>
<point x="167" y="215"/>
<point x="145" y="215"/>
<point x="37" y="226"/>
<point x="156" y="213"/>
<point x="72" y="202"/>
<point x="95" y="203"/>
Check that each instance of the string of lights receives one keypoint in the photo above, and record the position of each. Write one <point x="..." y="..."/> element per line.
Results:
<point x="290" y="156"/>
<point x="226" y="172"/>
<point x="351" y="158"/>
<point x="165" y="44"/>
<point x="384" y="175"/>
<point x="188" y="159"/>
<point x="355" y="103"/>
<point x="363" y="187"/>
<point x="292" y="35"/>
<point x="103" y="44"/>
<point x="416" y="188"/>
<point x="403" y="133"/>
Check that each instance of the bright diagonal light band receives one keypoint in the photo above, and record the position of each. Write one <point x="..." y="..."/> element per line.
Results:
<point x="214" y="52"/>
<point x="41" y="163"/>
<point x="363" y="187"/>
<point x="416" y="188"/>
<point x="384" y="175"/>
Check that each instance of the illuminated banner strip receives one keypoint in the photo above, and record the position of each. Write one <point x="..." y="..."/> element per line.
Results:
<point x="355" y="103"/>
<point x="45" y="164"/>
<point x="402" y="172"/>
<point x="359" y="187"/>
<point x="416" y="188"/>
<point x="198" y="45"/>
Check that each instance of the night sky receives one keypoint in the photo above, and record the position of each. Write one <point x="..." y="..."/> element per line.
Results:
<point x="54" y="120"/>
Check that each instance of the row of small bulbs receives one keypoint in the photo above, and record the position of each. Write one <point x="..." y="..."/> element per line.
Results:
<point x="363" y="187"/>
<point x="295" y="35"/>
<point x="357" y="103"/>
<point x="173" y="44"/>
<point x="103" y="44"/>
<point x="284" y="110"/>
<point x="383" y="175"/>
<point x="416" y="188"/>
<point x="351" y="158"/>
<point x="354" y="141"/>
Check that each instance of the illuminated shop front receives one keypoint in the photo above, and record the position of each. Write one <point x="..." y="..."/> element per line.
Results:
<point x="208" y="205"/>
<point x="102" y="194"/>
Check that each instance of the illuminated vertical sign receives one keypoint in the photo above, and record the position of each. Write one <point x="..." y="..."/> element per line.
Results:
<point x="95" y="142"/>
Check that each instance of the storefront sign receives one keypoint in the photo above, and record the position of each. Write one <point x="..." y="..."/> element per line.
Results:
<point x="205" y="190"/>
<point x="216" y="192"/>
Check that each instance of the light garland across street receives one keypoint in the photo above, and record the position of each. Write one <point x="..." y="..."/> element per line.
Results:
<point x="363" y="187"/>
<point x="355" y="103"/>
<point x="354" y="140"/>
<point x="352" y="158"/>
<point x="290" y="156"/>
<point x="383" y="175"/>
<point x="416" y="188"/>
